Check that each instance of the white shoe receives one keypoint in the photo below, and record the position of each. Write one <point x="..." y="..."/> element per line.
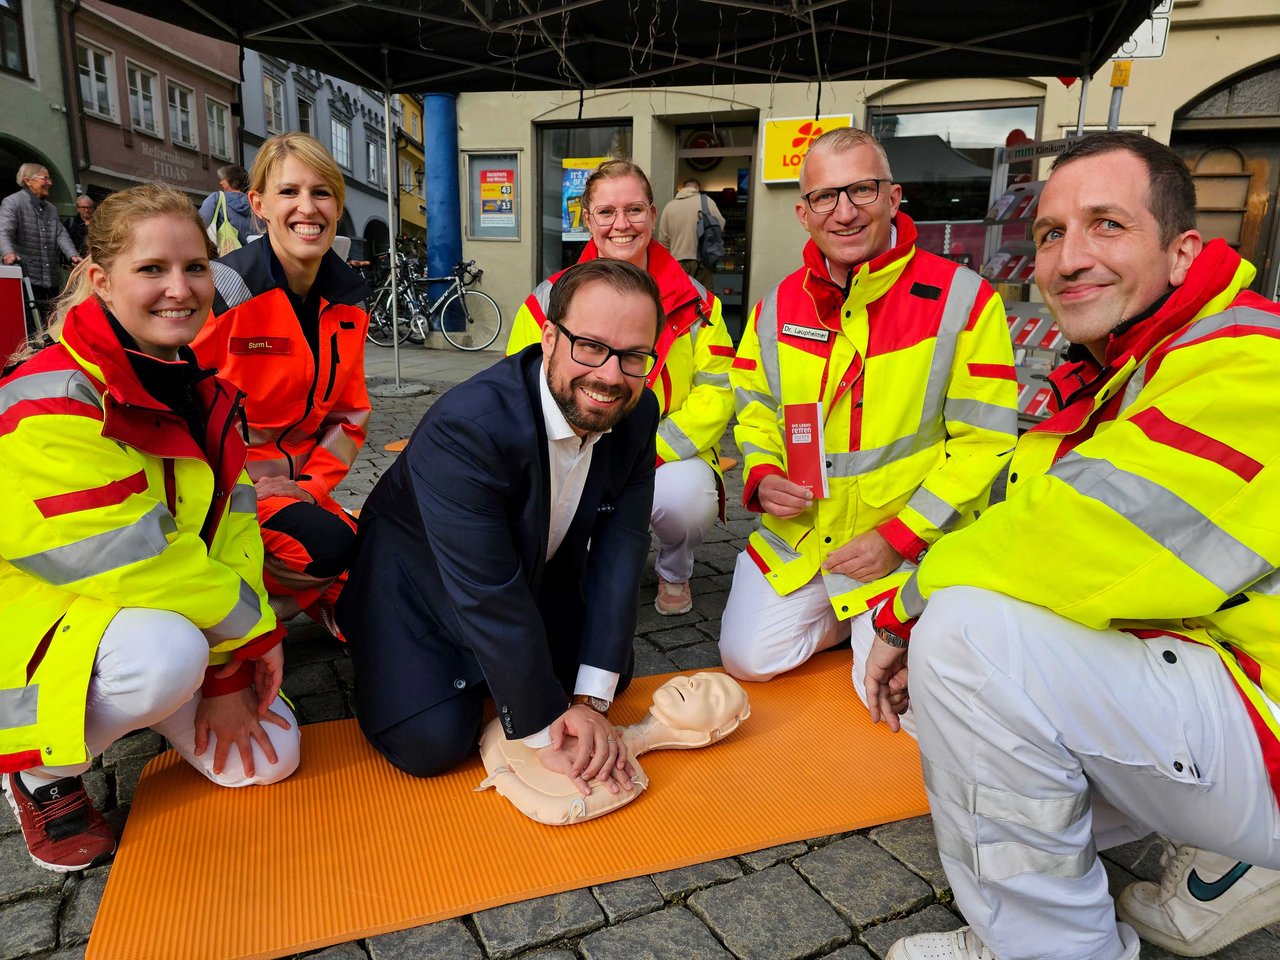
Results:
<point x="1204" y="901"/>
<point x="963" y="944"/>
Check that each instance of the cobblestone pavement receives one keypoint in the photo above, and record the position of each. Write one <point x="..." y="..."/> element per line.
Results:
<point x="845" y="897"/>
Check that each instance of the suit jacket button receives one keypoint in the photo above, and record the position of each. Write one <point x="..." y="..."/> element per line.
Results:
<point x="459" y="684"/>
<point x="506" y="709"/>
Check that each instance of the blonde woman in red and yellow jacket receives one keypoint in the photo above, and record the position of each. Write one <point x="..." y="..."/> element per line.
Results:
<point x="130" y="558"/>
<point x="289" y="330"/>
<point x="691" y="378"/>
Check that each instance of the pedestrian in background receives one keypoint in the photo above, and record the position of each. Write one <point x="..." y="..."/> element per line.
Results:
<point x="78" y="226"/>
<point x="233" y="181"/>
<point x="31" y="233"/>
<point x="678" y="228"/>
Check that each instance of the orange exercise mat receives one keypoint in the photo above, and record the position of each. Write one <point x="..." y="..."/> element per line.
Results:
<point x="350" y="847"/>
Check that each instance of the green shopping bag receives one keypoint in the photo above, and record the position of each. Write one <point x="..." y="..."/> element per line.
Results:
<point x="224" y="236"/>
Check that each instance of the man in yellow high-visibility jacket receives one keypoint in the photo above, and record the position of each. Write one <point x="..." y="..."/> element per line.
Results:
<point x="909" y="356"/>
<point x="1100" y="653"/>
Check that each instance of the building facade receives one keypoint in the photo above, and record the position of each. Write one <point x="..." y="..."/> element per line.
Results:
<point x="154" y="102"/>
<point x="1215" y="96"/>
<point x="37" y="97"/>
<point x="350" y="120"/>
<point x="411" y="169"/>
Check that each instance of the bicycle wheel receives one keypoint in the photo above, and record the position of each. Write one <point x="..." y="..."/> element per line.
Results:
<point x="380" y="318"/>
<point x="470" y="320"/>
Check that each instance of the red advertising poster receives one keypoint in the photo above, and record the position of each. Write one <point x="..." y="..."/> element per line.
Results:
<point x="497" y="198"/>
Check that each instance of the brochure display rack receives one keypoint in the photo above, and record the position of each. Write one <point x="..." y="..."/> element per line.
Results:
<point x="1038" y="347"/>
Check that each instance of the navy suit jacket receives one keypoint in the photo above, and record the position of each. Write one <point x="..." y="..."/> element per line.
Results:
<point x="450" y="586"/>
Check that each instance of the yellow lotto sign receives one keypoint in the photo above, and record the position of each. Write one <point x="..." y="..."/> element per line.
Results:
<point x="786" y="140"/>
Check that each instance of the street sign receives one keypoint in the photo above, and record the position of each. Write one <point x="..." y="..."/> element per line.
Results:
<point x="1147" y="43"/>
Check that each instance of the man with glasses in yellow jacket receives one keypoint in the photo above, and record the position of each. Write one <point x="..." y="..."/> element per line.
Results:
<point x="1099" y="653"/>
<point x="909" y="356"/>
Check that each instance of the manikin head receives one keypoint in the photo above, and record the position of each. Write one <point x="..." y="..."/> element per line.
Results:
<point x="702" y="708"/>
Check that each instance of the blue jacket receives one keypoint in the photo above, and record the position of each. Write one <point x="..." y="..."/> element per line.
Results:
<point x="238" y="213"/>
<point x="451" y="586"/>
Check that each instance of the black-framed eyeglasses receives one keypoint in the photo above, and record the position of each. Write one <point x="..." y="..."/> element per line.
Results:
<point x="593" y="353"/>
<point x="860" y="193"/>
<point x="634" y="212"/>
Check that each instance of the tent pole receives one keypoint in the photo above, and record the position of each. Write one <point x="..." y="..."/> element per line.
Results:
<point x="1084" y="96"/>
<point x="391" y="232"/>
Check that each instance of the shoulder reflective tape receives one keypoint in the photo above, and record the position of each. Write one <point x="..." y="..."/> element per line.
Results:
<point x="983" y="416"/>
<point x="1234" y="317"/>
<point x="141" y="540"/>
<point x="542" y="294"/>
<point x="244" y="498"/>
<point x="244" y="616"/>
<point x="230" y="285"/>
<point x="18" y="706"/>
<point x="1007" y="859"/>
<point x="767" y="334"/>
<point x="677" y="440"/>
<point x="961" y="296"/>
<point x="933" y="508"/>
<point x="1268" y="585"/>
<point x="743" y="398"/>
<point x="71" y="384"/>
<point x="1166" y="518"/>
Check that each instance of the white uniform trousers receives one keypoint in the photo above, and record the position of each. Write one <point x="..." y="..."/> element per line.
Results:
<point x="763" y="634"/>
<point x="1043" y="741"/>
<point x="686" y="502"/>
<point x="147" y="673"/>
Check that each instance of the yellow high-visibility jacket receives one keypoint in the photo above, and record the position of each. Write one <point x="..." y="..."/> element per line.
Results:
<point x="111" y="503"/>
<point x="1148" y="502"/>
<point x="914" y="369"/>
<point x="691" y="378"/>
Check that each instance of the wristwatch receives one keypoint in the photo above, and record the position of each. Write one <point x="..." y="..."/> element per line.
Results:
<point x="892" y="639"/>
<point x="595" y="703"/>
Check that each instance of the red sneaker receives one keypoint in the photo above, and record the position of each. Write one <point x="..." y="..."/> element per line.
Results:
<point x="62" y="829"/>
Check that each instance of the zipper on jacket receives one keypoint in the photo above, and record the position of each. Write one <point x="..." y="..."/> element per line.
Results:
<point x="333" y="364"/>
<point x="306" y="409"/>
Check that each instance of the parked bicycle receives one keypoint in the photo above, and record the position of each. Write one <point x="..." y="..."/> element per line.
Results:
<point x="469" y="319"/>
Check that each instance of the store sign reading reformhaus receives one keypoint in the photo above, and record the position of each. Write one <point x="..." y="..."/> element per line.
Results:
<point x="786" y="140"/>
<point x="169" y="164"/>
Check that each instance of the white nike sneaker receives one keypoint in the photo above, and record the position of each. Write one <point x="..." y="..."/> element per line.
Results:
<point x="964" y="944"/>
<point x="1204" y="901"/>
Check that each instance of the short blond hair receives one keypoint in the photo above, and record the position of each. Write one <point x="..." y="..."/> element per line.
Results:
<point x="28" y="170"/>
<point x="842" y="139"/>
<point x="307" y="149"/>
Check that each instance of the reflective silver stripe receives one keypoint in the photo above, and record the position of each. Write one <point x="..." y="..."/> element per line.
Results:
<point x="677" y="440"/>
<point x="230" y="285"/>
<point x="267" y="468"/>
<point x="767" y="333"/>
<point x="244" y="616"/>
<point x="984" y="416"/>
<point x="701" y="290"/>
<point x="1227" y="318"/>
<point x="1051" y="815"/>
<point x="778" y="545"/>
<point x="542" y="293"/>
<point x="336" y="441"/>
<point x="244" y="499"/>
<point x="71" y="384"/>
<point x="1168" y="519"/>
<point x="751" y="449"/>
<point x="743" y="398"/>
<point x="933" y="508"/>
<point x="1002" y="861"/>
<point x="18" y="706"/>
<point x="912" y="599"/>
<point x="1269" y="585"/>
<point x="864" y="461"/>
<point x="141" y="540"/>
<point x="955" y="317"/>
<point x="1134" y="387"/>
<point x="839" y="583"/>
<point x="259" y="437"/>
<point x="715" y="379"/>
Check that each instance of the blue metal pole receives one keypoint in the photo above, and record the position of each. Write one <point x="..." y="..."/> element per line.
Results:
<point x="444" y="203"/>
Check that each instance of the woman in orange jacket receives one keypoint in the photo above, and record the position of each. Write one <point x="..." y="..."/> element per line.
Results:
<point x="288" y="329"/>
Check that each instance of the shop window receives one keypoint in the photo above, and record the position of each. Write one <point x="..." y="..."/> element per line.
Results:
<point x="942" y="156"/>
<point x="564" y="158"/>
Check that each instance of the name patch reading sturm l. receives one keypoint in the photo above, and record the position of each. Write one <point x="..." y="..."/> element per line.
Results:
<point x="243" y="345"/>
<point x="806" y="333"/>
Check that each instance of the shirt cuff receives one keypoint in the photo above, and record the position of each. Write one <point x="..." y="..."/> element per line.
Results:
<point x="540" y="739"/>
<point x="594" y="682"/>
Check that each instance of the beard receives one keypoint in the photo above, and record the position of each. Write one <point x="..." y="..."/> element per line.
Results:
<point x="593" y="421"/>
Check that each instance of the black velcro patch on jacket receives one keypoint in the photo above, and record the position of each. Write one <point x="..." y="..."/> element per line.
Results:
<point x="926" y="291"/>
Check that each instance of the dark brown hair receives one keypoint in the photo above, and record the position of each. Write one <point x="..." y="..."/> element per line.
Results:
<point x="622" y="277"/>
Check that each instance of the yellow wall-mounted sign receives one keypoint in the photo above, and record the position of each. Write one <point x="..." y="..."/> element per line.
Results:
<point x="786" y="140"/>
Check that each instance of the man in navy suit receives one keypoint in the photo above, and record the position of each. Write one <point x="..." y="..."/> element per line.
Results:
<point x="502" y="552"/>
